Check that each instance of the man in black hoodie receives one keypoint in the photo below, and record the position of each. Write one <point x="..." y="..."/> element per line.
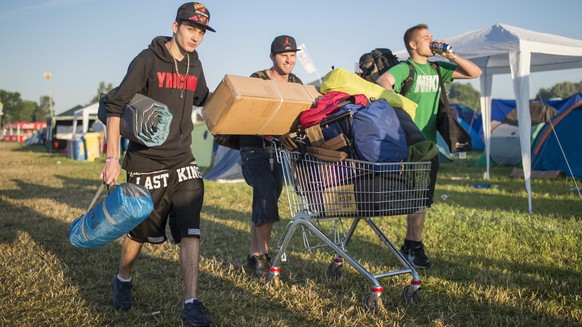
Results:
<point x="168" y="71"/>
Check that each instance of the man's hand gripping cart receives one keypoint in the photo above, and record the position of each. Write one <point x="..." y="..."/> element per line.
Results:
<point x="323" y="190"/>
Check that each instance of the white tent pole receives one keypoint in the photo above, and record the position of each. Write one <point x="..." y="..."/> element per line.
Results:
<point x="85" y="121"/>
<point x="74" y="127"/>
<point x="520" y="71"/>
<point x="486" y="84"/>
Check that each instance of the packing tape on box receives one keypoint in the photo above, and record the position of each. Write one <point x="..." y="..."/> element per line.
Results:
<point x="276" y="110"/>
<point x="280" y="103"/>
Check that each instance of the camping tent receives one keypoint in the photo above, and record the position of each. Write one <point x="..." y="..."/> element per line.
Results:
<point x="505" y="144"/>
<point x="505" y="135"/>
<point x="226" y="166"/>
<point x="557" y="145"/>
<point x="502" y="49"/>
<point x="503" y="111"/>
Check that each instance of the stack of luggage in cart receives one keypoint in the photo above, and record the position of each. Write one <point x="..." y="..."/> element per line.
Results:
<point x="374" y="129"/>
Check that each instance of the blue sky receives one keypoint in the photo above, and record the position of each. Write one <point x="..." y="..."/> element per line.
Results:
<point x="84" y="42"/>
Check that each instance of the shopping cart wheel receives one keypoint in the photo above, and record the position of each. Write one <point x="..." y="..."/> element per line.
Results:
<point x="411" y="294"/>
<point x="335" y="270"/>
<point x="373" y="303"/>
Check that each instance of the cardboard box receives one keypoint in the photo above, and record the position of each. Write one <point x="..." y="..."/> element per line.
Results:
<point x="340" y="201"/>
<point x="253" y="106"/>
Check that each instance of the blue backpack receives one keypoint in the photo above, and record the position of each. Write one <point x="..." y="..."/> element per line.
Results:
<point x="376" y="132"/>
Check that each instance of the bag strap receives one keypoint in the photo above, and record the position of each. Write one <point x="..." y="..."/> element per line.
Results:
<point x="443" y="94"/>
<point x="409" y="80"/>
<point x="444" y="99"/>
<point x="261" y="74"/>
<point x="96" y="196"/>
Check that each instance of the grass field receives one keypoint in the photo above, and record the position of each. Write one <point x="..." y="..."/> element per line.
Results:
<point x="494" y="264"/>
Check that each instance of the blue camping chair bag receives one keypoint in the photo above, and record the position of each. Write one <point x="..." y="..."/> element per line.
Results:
<point x="121" y="211"/>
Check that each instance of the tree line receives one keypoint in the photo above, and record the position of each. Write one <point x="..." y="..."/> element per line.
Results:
<point x="17" y="109"/>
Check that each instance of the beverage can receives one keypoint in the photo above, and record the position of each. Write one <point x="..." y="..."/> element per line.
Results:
<point x="482" y="185"/>
<point x="441" y="47"/>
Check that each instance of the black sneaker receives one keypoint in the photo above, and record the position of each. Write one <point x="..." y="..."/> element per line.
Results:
<point x="263" y="265"/>
<point x="251" y="264"/>
<point x="196" y="314"/>
<point x="121" y="294"/>
<point x="404" y="249"/>
<point x="415" y="255"/>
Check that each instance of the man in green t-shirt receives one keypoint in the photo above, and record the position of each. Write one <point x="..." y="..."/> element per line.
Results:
<point x="425" y="92"/>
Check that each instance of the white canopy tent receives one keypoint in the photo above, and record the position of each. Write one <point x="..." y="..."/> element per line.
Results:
<point x="84" y="113"/>
<point x="502" y="49"/>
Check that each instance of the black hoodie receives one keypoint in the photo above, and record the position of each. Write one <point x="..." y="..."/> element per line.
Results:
<point x="153" y="73"/>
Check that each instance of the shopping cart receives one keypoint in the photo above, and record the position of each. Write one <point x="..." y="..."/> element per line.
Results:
<point x="321" y="191"/>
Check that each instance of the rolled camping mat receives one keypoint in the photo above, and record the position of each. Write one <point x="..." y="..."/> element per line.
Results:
<point x="146" y="121"/>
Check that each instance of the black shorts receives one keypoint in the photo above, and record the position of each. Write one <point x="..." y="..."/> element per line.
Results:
<point x="177" y="194"/>
<point x="434" y="168"/>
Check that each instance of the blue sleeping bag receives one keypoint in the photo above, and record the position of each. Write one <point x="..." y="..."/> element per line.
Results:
<point x="120" y="212"/>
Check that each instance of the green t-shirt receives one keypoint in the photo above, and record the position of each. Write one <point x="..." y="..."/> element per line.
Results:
<point x="425" y="91"/>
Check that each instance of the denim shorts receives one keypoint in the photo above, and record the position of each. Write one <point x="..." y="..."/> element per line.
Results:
<point x="267" y="183"/>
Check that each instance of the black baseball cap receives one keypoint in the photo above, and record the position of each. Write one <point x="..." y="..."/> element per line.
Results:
<point x="283" y="43"/>
<point x="196" y="13"/>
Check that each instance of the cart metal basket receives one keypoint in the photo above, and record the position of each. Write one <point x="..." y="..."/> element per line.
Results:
<point x="350" y="189"/>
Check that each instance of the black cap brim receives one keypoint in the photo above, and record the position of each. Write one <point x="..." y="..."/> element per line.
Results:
<point x="283" y="51"/>
<point x="206" y="27"/>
